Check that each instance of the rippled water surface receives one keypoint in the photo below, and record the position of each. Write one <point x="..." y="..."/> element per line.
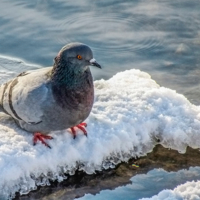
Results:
<point x="159" y="37"/>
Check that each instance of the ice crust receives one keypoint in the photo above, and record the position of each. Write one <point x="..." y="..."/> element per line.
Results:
<point x="131" y="114"/>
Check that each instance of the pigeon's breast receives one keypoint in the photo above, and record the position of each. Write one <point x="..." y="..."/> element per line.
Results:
<point x="75" y="104"/>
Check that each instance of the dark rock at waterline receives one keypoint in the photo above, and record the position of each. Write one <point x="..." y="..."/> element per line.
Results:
<point x="81" y="183"/>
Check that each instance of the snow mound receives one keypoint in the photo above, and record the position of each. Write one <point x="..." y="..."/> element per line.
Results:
<point x="131" y="114"/>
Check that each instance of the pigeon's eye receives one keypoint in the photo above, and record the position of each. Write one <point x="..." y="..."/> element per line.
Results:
<point x="79" y="57"/>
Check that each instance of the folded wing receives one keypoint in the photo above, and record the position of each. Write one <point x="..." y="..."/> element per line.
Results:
<point x="23" y="96"/>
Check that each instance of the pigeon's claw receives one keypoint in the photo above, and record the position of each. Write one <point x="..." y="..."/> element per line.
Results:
<point x="82" y="129"/>
<point x="39" y="136"/>
<point x="73" y="132"/>
<point x="81" y="126"/>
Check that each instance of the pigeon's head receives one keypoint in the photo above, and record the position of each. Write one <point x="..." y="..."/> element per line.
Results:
<point x="77" y="56"/>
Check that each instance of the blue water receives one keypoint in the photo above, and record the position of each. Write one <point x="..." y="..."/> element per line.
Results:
<point x="159" y="37"/>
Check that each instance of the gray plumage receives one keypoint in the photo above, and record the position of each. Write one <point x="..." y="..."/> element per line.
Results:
<point x="52" y="98"/>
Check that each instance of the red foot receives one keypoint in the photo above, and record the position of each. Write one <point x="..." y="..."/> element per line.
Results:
<point x="41" y="137"/>
<point x="81" y="127"/>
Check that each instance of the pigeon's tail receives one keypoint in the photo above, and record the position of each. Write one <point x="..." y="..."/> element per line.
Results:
<point x="1" y="94"/>
<point x="2" y="89"/>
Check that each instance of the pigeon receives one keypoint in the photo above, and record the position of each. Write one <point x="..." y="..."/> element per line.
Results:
<point x="53" y="98"/>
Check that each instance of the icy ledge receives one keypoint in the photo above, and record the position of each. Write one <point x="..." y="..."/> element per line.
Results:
<point x="130" y="115"/>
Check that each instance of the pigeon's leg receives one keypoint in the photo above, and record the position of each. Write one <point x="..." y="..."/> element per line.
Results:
<point x="81" y="126"/>
<point x="39" y="136"/>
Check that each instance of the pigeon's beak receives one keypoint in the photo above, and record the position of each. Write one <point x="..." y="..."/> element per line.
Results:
<point x="94" y="63"/>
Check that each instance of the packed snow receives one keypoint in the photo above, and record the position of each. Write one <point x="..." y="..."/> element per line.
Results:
<point x="131" y="114"/>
